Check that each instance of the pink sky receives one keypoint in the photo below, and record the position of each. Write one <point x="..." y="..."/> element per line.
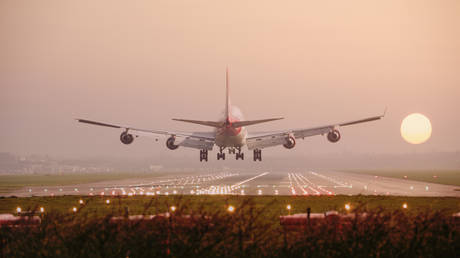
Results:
<point x="142" y="63"/>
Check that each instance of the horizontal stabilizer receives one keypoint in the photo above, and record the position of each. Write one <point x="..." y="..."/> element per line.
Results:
<point x="253" y="122"/>
<point x="207" y="123"/>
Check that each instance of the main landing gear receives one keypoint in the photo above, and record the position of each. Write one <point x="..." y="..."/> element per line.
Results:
<point x="239" y="155"/>
<point x="257" y="155"/>
<point x="221" y="154"/>
<point x="233" y="150"/>
<point x="203" y="155"/>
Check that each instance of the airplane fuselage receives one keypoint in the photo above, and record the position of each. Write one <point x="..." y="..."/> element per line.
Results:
<point x="228" y="136"/>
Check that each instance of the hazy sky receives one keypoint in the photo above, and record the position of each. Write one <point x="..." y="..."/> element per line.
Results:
<point x="142" y="63"/>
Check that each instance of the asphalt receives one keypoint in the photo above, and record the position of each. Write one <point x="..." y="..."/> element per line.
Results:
<point x="257" y="183"/>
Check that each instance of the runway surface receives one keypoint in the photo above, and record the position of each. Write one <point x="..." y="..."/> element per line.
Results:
<point x="257" y="183"/>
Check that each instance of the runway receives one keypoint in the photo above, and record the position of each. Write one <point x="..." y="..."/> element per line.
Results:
<point x="295" y="183"/>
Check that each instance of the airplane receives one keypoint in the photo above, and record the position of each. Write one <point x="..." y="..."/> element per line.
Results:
<point x="230" y="133"/>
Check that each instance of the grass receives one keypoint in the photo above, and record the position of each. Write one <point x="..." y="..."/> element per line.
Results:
<point x="97" y="205"/>
<point x="10" y="183"/>
<point x="447" y="177"/>
<point x="426" y="229"/>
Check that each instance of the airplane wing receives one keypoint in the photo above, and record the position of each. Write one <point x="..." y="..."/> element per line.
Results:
<point x="269" y="139"/>
<point x="196" y="140"/>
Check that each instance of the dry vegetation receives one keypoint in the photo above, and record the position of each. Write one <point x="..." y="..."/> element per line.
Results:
<point x="251" y="230"/>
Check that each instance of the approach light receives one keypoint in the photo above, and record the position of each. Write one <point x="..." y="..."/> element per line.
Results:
<point x="81" y="201"/>
<point x="288" y="207"/>
<point x="42" y="209"/>
<point x="347" y="207"/>
<point x="231" y="209"/>
<point x="74" y="209"/>
<point x="172" y="208"/>
<point x="107" y="201"/>
<point x="404" y="205"/>
<point x="18" y="209"/>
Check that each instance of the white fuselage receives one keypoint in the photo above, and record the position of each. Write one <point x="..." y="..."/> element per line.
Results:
<point x="227" y="136"/>
<point x="230" y="137"/>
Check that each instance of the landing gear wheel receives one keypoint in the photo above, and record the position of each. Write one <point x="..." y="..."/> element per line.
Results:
<point x="220" y="156"/>
<point x="239" y="156"/>
<point x="203" y="155"/>
<point x="257" y="155"/>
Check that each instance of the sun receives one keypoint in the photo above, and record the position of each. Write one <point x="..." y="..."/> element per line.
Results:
<point x="416" y="128"/>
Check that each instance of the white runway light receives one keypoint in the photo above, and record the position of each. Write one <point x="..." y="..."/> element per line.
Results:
<point x="347" y="207"/>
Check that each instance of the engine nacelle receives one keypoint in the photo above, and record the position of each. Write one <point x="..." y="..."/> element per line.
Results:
<point x="290" y="142"/>
<point x="126" y="138"/>
<point x="333" y="136"/>
<point x="170" y="143"/>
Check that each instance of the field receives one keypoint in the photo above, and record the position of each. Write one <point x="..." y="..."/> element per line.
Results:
<point x="275" y="205"/>
<point x="12" y="182"/>
<point x="447" y="177"/>
<point x="203" y="226"/>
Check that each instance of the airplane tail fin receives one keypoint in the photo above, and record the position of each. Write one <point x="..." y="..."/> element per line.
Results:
<point x="236" y="124"/>
<point x="253" y="122"/>
<point x="227" y="98"/>
<point x="206" y="123"/>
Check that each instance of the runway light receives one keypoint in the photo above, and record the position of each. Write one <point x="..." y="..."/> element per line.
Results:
<point x="231" y="209"/>
<point x="42" y="209"/>
<point x="404" y="205"/>
<point x="347" y="207"/>
<point x="107" y="201"/>
<point x="172" y="208"/>
<point x="74" y="209"/>
<point x="81" y="201"/>
<point x="18" y="209"/>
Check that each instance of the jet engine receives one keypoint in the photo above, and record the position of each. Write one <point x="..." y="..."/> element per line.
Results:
<point x="333" y="136"/>
<point x="126" y="138"/>
<point x="290" y="142"/>
<point x="170" y="143"/>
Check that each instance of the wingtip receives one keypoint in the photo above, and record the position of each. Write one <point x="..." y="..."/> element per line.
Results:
<point x="385" y="112"/>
